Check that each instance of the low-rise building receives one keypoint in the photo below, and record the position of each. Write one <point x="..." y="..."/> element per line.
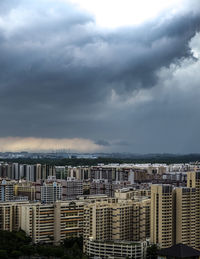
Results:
<point x="25" y="189"/>
<point x="116" y="249"/>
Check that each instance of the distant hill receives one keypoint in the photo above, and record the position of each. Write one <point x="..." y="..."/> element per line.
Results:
<point x="112" y="158"/>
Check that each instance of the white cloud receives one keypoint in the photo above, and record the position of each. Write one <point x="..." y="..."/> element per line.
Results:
<point x="195" y="45"/>
<point x="114" y="13"/>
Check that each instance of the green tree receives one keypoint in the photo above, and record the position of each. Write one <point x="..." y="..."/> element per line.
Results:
<point x="152" y="252"/>
<point x="27" y="250"/>
<point x="3" y="254"/>
<point x="58" y="251"/>
<point x="16" y="254"/>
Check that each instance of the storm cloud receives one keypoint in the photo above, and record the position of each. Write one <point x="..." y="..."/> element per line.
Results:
<point x="62" y="76"/>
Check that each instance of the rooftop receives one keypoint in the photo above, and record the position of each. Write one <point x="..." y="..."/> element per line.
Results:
<point x="180" y="251"/>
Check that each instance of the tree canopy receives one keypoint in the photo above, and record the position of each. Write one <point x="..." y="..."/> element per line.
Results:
<point x="17" y="243"/>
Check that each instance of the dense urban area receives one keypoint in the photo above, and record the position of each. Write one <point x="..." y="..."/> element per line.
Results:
<point x="114" y="210"/>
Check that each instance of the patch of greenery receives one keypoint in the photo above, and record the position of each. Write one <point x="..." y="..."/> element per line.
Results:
<point x="152" y="252"/>
<point x="17" y="243"/>
<point x="151" y="158"/>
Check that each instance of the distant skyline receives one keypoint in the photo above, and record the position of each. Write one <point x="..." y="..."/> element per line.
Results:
<point x="100" y="76"/>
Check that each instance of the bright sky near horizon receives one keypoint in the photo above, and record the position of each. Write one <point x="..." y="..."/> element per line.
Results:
<point x="115" y="13"/>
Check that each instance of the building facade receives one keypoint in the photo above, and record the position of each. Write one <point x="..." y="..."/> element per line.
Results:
<point x="112" y="219"/>
<point x="162" y="216"/>
<point x="6" y="191"/>
<point x="51" y="192"/>
<point x="52" y="223"/>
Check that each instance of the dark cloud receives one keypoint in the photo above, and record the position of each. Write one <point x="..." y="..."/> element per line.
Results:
<point x="103" y="142"/>
<point x="122" y="143"/>
<point x="59" y="72"/>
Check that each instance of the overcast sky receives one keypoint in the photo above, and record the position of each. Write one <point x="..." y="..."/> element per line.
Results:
<point x="100" y="77"/>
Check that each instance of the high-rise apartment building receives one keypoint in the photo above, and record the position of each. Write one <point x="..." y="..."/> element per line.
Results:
<point x="113" y="219"/>
<point x="6" y="217"/>
<point x="175" y="213"/>
<point x="52" y="223"/>
<point x="6" y="191"/>
<point x="51" y="192"/>
<point x="193" y="181"/>
<point x="79" y="172"/>
<point x="6" y="170"/>
<point x="185" y="217"/>
<point x="47" y="170"/>
<point x="162" y="217"/>
<point x="141" y="219"/>
<point x="15" y="171"/>
<point x="61" y="172"/>
<point x="71" y="188"/>
<point x="10" y="215"/>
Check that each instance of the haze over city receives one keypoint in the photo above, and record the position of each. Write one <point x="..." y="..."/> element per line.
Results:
<point x="100" y="76"/>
